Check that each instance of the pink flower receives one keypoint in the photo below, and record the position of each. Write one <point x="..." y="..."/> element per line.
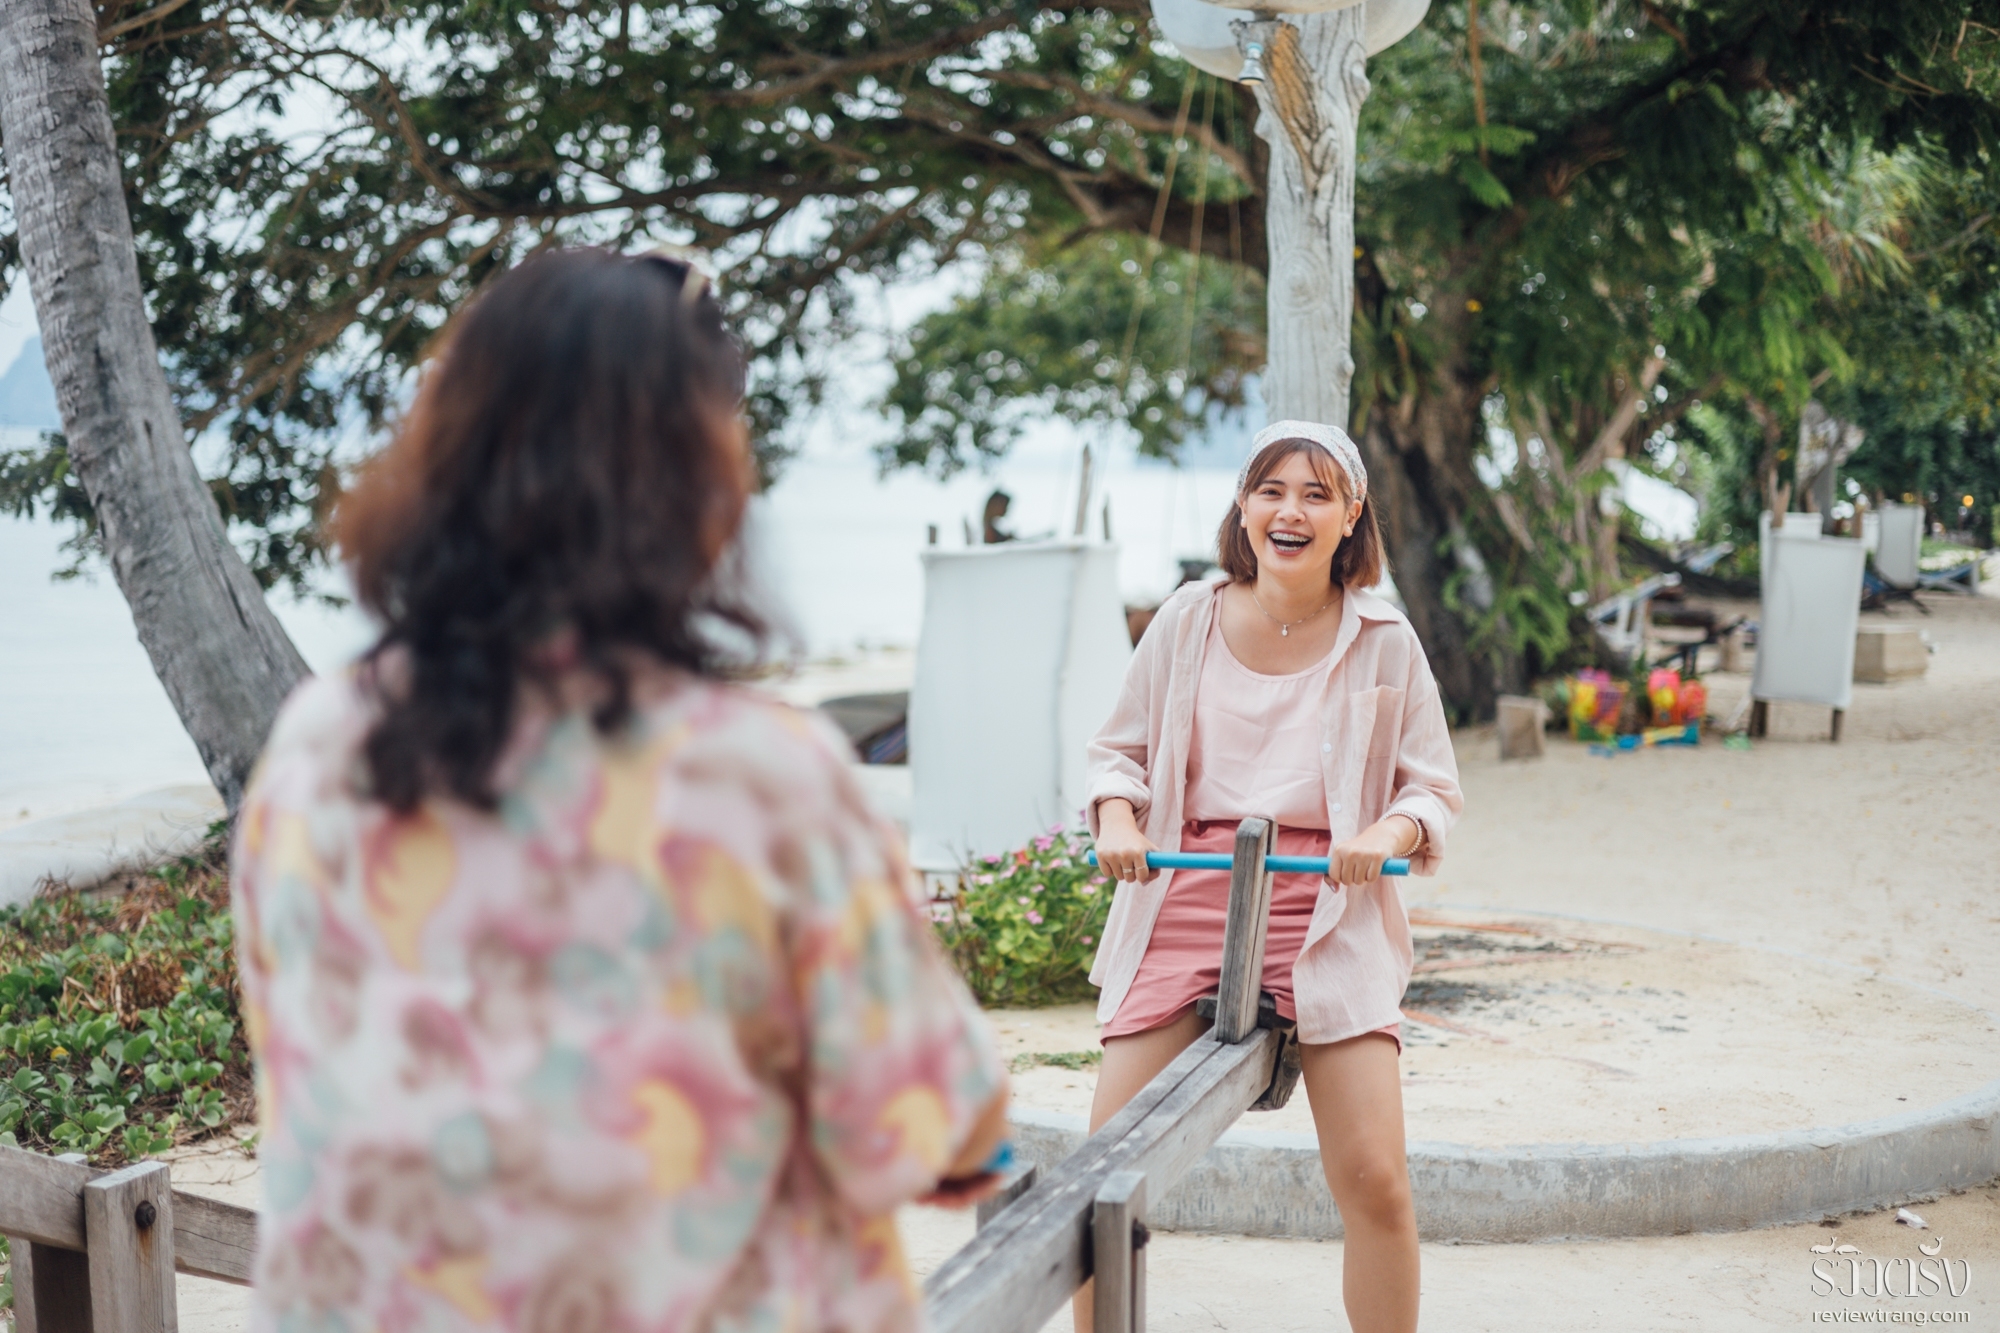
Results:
<point x="1022" y="901"/>
<point x="992" y="860"/>
<point x="1034" y="888"/>
<point x="1088" y="890"/>
<point x="1087" y="939"/>
<point x="1055" y="828"/>
<point x="1034" y="918"/>
<point x="1044" y="843"/>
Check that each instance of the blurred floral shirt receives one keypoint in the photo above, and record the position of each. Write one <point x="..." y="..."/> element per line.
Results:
<point x="659" y="1044"/>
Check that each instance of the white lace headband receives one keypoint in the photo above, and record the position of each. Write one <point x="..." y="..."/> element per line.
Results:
<point x="1330" y="438"/>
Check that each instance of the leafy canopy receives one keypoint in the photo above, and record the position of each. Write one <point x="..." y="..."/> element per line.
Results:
<point x="316" y="186"/>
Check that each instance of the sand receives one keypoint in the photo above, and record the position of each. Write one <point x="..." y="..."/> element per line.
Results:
<point x="1197" y="1284"/>
<point x="1869" y="866"/>
<point x="1639" y="1035"/>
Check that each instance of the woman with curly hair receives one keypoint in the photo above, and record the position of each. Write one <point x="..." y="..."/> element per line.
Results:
<point x="585" y="991"/>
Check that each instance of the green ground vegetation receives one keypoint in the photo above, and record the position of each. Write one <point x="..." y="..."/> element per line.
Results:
<point x="1023" y="926"/>
<point x="119" y="1028"/>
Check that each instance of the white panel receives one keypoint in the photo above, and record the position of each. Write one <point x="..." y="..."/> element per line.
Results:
<point x="1018" y="644"/>
<point x="1390" y="21"/>
<point x="1201" y="33"/>
<point x="1295" y="6"/>
<point x="1902" y="542"/>
<point x="1100" y="648"/>
<point x="1811" y="609"/>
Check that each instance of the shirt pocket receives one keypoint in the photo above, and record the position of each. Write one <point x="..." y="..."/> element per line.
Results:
<point x="1381" y="711"/>
<point x="1378" y="714"/>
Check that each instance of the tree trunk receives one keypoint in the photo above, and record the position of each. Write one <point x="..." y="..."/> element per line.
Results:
<point x="224" y="659"/>
<point x="1420" y="475"/>
<point x="1316" y="80"/>
<point x="1421" y="484"/>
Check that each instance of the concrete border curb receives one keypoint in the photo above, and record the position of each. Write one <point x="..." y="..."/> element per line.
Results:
<point x="1268" y="1183"/>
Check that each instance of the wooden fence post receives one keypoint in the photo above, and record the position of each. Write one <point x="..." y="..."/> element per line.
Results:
<point x="1243" y="935"/>
<point x="1118" y="1256"/>
<point x="51" y="1285"/>
<point x="51" y="1288"/>
<point x="128" y="1222"/>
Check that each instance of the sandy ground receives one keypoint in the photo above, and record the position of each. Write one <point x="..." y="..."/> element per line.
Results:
<point x="1750" y="1280"/>
<point x="1864" y="872"/>
<point x="1880" y="852"/>
<point x="1195" y="1284"/>
<point x="1646" y="1036"/>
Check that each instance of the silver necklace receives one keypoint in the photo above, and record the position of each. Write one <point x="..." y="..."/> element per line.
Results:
<point x="1285" y="630"/>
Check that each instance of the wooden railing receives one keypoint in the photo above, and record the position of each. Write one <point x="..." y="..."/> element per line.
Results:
<point x="96" y="1251"/>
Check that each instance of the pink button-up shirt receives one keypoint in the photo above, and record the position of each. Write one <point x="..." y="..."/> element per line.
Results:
<point x="1384" y="750"/>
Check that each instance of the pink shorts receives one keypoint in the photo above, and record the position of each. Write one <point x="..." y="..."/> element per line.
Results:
<point x="1183" y="959"/>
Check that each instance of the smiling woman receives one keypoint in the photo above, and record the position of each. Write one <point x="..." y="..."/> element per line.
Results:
<point x="1329" y="725"/>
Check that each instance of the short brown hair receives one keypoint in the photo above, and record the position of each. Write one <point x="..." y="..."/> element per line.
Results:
<point x="1358" y="563"/>
<point x="571" y="467"/>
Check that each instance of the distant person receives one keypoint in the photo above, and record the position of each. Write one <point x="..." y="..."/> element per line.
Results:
<point x="1313" y="706"/>
<point x="997" y="505"/>
<point x="585" y="992"/>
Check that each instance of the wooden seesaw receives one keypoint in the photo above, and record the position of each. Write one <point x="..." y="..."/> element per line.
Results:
<point x="1049" y="1231"/>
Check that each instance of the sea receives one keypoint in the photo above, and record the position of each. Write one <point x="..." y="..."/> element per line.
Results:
<point x="84" y="722"/>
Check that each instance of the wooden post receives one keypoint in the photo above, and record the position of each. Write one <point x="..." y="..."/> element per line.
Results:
<point x="1018" y="1181"/>
<point x="1310" y="102"/>
<point x="51" y="1288"/>
<point x="128" y="1222"/>
<point x="51" y="1282"/>
<point x="1243" y="935"/>
<point x="1118" y="1256"/>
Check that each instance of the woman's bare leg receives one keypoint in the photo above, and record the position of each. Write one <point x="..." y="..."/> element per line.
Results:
<point x="1356" y="1090"/>
<point x="1130" y="1063"/>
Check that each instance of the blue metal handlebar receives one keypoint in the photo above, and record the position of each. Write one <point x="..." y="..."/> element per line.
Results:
<point x="1283" y="865"/>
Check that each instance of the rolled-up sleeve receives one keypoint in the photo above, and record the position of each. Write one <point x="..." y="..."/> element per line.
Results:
<point x="903" y="1063"/>
<point x="1427" y="787"/>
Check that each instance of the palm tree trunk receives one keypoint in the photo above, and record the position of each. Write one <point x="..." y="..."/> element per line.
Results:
<point x="224" y="659"/>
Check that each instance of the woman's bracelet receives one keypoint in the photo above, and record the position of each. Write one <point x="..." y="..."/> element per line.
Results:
<point x="1422" y="837"/>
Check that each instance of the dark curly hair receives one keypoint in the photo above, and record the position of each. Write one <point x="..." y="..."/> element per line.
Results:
<point x="559" y="495"/>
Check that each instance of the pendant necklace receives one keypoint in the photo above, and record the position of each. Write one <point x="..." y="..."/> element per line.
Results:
<point x="1284" y="629"/>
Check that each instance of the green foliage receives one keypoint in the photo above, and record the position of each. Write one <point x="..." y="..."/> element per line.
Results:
<point x="1071" y="1060"/>
<point x="1047" y="335"/>
<point x="1023" y="927"/>
<point x="118" y="1017"/>
<point x="39" y="479"/>
<point x="315" y="187"/>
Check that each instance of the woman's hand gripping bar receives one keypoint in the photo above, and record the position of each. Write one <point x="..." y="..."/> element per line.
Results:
<point x="1283" y="865"/>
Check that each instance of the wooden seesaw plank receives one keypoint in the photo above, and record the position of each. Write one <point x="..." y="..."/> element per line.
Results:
<point x="1026" y="1262"/>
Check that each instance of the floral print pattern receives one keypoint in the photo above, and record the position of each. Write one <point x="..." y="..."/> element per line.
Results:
<point x="659" y="1044"/>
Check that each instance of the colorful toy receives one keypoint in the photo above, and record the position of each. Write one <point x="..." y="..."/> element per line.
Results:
<point x="1595" y="701"/>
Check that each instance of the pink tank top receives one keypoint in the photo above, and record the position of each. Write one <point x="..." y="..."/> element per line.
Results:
<point x="1257" y="744"/>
